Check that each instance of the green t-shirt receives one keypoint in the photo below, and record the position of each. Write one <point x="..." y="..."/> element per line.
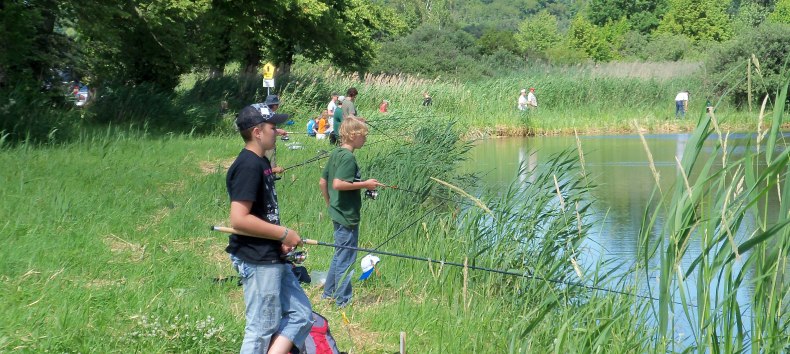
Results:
<point x="344" y="206"/>
<point x="338" y="118"/>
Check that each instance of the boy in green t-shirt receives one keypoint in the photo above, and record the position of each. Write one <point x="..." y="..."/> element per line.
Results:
<point x="341" y="184"/>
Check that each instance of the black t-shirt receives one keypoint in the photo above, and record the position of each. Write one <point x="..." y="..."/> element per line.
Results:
<point x="250" y="178"/>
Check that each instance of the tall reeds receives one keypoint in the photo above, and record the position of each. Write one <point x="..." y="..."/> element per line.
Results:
<point x="720" y="201"/>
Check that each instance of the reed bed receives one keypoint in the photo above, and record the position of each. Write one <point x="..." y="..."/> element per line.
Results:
<point x="710" y="206"/>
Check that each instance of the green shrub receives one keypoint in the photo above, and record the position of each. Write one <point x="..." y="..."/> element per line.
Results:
<point x="159" y="110"/>
<point x="667" y="47"/>
<point x="770" y="45"/>
<point x="27" y="114"/>
<point x="431" y="51"/>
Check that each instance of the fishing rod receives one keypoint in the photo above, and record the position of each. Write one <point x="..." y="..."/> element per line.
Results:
<point x="324" y="154"/>
<point x="525" y="275"/>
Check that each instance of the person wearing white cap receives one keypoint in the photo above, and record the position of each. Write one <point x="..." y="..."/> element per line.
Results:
<point x="522" y="100"/>
<point x="332" y="105"/>
<point x="532" y="101"/>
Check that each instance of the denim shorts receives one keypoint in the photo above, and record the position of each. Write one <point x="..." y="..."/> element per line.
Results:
<point x="275" y="304"/>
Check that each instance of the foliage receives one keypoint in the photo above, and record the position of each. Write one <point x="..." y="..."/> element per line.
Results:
<point x="698" y="20"/>
<point x="781" y="13"/>
<point x="642" y="15"/>
<point x="770" y="45"/>
<point x="32" y="41"/>
<point x="430" y="50"/>
<point x="538" y="33"/>
<point x="723" y="192"/>
<point x="664" y="46"/>
<point x="344" y="31"/>
<point x="160" y="110"/>
<point x="750" y="14"/>
<point x="493" y="40"/>
<point x="599" y="43"/>
<point x="30" y="115"/>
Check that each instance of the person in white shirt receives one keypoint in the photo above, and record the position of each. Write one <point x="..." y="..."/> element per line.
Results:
<point x="522" y="100"/>
<point x="332" y="104"/>
<point x="532" y="101"/>
<point x="681" y="104"/>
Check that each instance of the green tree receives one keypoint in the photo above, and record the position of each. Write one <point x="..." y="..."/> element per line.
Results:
<point x="32" y="40"/>
<point x="585" y="36"/>
<point x="430" y="50"/>
<point x="770" y="45"/>
<point x="643" y="15"/>
<point x="781" y="13"/>
<point x="750" y="14"/>
<point x="139" y="41"/>
<point x="493" y="40"/>
<point x="703" y="20"/>
<point x="538" y="33"/>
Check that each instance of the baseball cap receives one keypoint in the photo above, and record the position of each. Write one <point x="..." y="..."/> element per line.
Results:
<point x="341" y="98"/>
<point x="272" y="100"/>
<point x="253" y="115"/>
<point x="523" y="90"/>
<point x="368" y="264"/>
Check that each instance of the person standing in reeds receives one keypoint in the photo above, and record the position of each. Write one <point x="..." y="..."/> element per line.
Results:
<point x="532" y="101"/>
<point x="332" y="105"/>
<point x="681" y="104"/>
<point x="522" y="100"/>
<point x="340" y="185"/>
<point x="278" y="313"/>
<point x="337" y="119"/>
<point x="349" y="107"/>
<point x="426" y="99"/>
<point x="383" y="106"/>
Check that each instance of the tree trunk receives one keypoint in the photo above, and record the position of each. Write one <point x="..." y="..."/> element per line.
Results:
<point x="216" y="71"/>
<point x="252" y="59"/>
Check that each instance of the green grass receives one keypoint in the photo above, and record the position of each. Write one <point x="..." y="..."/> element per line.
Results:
<point x="107" y="248"/>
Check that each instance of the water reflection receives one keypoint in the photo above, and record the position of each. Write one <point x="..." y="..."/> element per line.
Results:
<point x="619" y="166"/>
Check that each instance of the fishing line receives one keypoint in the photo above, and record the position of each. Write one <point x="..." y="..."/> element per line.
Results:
<point x="408" y="226"/>
<point x="455" y="264"/>
<point x="324" y="154"/>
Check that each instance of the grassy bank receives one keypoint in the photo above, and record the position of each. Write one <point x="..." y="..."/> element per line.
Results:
<point x="106" y="246"/>
<point x="588" y="100"/>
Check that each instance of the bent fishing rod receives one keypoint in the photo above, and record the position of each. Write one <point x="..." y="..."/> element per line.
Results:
<point x="231" y="230"/>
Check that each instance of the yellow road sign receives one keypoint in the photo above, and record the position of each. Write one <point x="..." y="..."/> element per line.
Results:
<point x="268" y="71"/>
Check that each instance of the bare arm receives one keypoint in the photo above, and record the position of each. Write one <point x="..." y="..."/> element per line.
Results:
<point x="324" y="191"/>
<point x="242" y="220"/>
<point x="341" y="185"/>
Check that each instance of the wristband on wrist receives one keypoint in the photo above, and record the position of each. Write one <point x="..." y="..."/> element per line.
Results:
<point x="285" y="234"/>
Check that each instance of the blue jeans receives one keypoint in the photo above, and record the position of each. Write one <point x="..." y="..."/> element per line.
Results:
<point x="274" y="304"/>
<point x="338" y="279"/>
<point x="680" y="109"/>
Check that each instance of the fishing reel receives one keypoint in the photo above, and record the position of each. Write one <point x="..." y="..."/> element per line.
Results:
<point x="371" y="194"/>
<point x="296" y="257"/>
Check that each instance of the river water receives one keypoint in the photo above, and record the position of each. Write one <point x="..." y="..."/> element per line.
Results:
<point x="619" y="167"/>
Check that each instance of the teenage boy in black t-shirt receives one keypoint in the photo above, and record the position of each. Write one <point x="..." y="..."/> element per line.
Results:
<point x="278" y="312"/>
